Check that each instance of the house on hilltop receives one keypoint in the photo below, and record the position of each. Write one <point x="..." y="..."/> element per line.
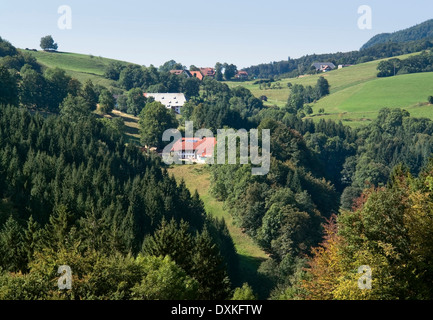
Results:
<point x="324" y="66"/>
<point x="174" y="101"/>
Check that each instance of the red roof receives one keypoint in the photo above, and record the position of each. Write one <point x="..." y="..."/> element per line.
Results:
<point x="204" y="147"/>
<point x="208" y="72"/>
<point x="197" y="74"/>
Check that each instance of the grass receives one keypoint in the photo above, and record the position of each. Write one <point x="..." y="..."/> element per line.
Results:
<point x="197" y="177"/>
<point x="356" y="94"/>
<point x="79" y="66"/>
<point x="132" y="132"/>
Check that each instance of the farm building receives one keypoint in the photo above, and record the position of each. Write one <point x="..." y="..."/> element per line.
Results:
<point x="194" y="150"/>
<point x="323" y="66"/>
<point x="241" y="75"/>
<point x="174" y="101"/>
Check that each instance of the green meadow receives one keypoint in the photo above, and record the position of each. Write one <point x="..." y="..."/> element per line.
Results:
<point x="356" y="94"/>
<point x="79" y="66"/>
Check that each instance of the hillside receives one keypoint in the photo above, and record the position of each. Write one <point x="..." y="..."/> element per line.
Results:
<point x="418" y="32"/>
<point x="79" y="66"/>
<point x="356" y="94"/>
<point x="250" y="254"/>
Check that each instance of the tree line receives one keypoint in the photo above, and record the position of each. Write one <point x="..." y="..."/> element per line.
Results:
<point x="414" y="64"/>
<point x="294" y="67"/>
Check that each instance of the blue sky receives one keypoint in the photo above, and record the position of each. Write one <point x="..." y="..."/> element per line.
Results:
<point x="202" y="32"/>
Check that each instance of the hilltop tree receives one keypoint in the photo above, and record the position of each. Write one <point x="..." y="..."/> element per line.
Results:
<point x="48" y="44"/>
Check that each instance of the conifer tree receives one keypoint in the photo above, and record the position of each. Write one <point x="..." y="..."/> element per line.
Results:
<point x="12" y="253"/>
<point x="209" y="269"/>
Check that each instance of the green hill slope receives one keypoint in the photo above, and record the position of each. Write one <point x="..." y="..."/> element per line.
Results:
<point x="79" y="66"/>
<point x="357" y="94"/>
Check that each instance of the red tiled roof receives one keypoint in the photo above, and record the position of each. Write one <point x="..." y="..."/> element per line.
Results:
<point x="204" y="147"/>
<point x="197" y="74"/>
<point x="208" y="72"/>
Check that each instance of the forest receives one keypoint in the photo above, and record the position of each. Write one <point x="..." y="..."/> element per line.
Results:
<point x="74" y="191"/>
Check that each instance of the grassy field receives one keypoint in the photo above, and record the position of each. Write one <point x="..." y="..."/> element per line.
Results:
<point x="79" y="66"/>
<point x="131" y="125"/>
<point x="197" y="177"/>
<point x="356" y="94"/>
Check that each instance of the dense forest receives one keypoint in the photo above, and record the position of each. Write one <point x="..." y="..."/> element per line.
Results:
<point x="74" y="191"/>
<point x="421" y="31"/>
<point x="316" y="169"/>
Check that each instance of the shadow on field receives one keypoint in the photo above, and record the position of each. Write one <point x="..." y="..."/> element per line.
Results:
<point x="248" y="270"/>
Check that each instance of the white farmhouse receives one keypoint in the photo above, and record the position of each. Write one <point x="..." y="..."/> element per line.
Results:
<point x="174" y="101"/>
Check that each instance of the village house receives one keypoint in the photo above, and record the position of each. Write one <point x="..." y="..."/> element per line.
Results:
<point x="174" y="101"/>
<point x="194" y="150"/>
<point x="323" y="66"/>
<point x="208" y="72"/>
<point x="241" y="75"/>
<point x="196" y="74"/>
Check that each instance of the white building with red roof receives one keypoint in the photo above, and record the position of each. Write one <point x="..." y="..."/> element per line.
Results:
<point x="194" y="149"/>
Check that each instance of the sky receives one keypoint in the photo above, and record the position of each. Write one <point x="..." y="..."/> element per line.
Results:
<point x="203" y="32"/>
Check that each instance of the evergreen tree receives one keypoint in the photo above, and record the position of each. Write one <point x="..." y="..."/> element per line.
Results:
<point x="12" y="251"/>
<point x="8" y="88"/>
<point x="89" y="94"/>
<point x="209" y="269"/>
